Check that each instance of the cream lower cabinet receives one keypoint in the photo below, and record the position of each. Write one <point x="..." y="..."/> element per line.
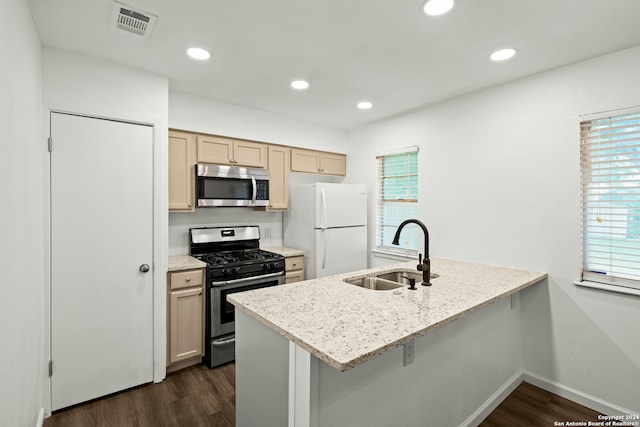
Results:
<point x="182" y="158"/>
<point x="185" y="341"/>
<point x="294" y="269"/>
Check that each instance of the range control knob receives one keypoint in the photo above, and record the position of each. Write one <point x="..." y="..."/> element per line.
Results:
<point x="236" y="270"/>
<point x="225" y="272"/>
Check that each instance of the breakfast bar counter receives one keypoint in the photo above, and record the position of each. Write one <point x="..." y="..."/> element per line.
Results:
<point x="325" y="352"/>
<point x="345" y="325"/>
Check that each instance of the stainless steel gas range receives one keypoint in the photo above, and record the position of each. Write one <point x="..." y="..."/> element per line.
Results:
<point x="234" y="264"/>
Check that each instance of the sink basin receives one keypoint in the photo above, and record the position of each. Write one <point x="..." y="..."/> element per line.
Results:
<point x="374" y="283"/>
<point x="388" y="280"/>
<point x="396" y="276"/>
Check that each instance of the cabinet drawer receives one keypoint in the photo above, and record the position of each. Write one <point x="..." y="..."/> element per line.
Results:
<point x="294" y="263"/>
<point x="294" y="276"/>
<point x="185" y="279"/>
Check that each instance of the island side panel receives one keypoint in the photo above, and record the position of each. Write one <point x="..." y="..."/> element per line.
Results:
<point x="456" y="371"/>
<point x="262" y="374"/>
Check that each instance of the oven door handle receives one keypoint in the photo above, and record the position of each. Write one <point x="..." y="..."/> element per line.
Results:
<point x="220" y="343"/>
<point x="247" y="279"/>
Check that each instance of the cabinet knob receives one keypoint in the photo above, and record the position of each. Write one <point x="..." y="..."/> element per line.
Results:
<point x="144" y="268"/>
<point x="188" y="279"/>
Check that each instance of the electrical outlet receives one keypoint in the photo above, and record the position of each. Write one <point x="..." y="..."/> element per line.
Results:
<point x="409" y="353"/>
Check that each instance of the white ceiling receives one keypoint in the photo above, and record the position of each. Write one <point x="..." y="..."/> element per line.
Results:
<point x="385" y="51"/>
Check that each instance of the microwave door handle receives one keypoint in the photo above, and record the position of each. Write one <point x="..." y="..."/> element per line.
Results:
<point x="255" y="190"/>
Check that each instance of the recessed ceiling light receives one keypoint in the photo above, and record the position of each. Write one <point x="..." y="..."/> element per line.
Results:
<point x="300" y="84"/>
<point x="198" y="53"/>
<point x="364" y="105"/>
<point x="437" y="7"/>
<point x="502" y="54"/>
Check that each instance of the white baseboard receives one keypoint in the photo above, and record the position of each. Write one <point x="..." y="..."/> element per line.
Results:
<point x="584" y="399"/>
<point x="40" y="421"/>
<point x="493" y="401"/>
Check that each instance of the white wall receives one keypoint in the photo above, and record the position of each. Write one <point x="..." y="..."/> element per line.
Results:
<point x="198" y="114"/>
<point x="91" y="86"/>
<point x="499" y="183"/>
<point x="270" y="224"/>
<point x="22" y="153"/>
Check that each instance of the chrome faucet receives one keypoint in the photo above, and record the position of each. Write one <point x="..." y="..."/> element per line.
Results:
<point x="424" y="264"/>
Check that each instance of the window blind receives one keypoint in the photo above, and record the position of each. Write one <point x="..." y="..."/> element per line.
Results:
<point x="610" y="180"/>
<point x="397" y="200"/>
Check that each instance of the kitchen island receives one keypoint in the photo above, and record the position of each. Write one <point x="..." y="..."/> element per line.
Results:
<point x="325" y="352"/>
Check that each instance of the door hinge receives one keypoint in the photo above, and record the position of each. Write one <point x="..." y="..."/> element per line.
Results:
<point x="50" y="143"/>
<point x="50" y="368"/>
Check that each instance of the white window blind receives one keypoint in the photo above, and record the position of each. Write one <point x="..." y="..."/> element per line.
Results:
<point x="610" y="175"/>
<point x="397" y="200"/>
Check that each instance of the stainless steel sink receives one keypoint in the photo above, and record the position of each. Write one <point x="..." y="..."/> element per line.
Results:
<point x="374" y="283"/>
<point x="397" y="276"/>
<point x="388" y="280"/>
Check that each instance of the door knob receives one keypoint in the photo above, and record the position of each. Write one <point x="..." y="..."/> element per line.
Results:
<point x="144" y="268"/>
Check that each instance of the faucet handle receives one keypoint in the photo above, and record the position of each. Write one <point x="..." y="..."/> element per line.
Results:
<point x="419" y="258"/>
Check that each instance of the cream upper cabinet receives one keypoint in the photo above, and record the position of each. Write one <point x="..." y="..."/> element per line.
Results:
<point x="318" y="162"/>
<point x="279" y="167"/>
<point x="182" y="158"/>
<point x="247" y="153"/>
<point x="333" y="164"/>
<point x="225" y="151"/>
<point x="214" y="149"/>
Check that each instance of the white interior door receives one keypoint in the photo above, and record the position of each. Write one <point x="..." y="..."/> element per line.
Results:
<point x="101" y="234"/>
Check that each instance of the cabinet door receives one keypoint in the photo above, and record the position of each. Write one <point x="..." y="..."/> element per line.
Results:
<point x="182" y="157"/>
<point x="186" y="334"/>
<point x="279" y="177"/>
<point x="333" y="164"/>
<point x="247" y="153"/>
<point x="305" y="160"/>
<point x="215" y="149"/>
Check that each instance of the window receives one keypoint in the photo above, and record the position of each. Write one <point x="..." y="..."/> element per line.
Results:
<point x="610" y="175"/>
<point x="397" y="200"/>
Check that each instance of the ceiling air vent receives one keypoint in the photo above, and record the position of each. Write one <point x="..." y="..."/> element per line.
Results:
<point x="132" y="21"/>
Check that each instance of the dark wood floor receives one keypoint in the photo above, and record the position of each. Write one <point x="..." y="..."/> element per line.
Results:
<point x="199" y="396"/>
<point x="533" y="407"/>
<point x="193" y="397"/>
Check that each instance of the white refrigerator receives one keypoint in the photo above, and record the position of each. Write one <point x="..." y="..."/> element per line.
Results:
<point x="329" y="222"/>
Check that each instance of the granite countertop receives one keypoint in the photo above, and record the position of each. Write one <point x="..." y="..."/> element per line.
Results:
<point x="285" y="252"/>
<point x="346" y="325"/>
<point x="184" y="262"/>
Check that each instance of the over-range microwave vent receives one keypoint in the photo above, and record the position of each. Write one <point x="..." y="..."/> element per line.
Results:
<point x="132" y="21"/>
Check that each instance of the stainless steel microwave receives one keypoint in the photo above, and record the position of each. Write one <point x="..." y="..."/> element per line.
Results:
<point x="218" y="185"/>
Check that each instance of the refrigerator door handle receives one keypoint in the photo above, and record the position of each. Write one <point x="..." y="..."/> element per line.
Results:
<point x="323" y="202"/>
<point x="324" y="248"/>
